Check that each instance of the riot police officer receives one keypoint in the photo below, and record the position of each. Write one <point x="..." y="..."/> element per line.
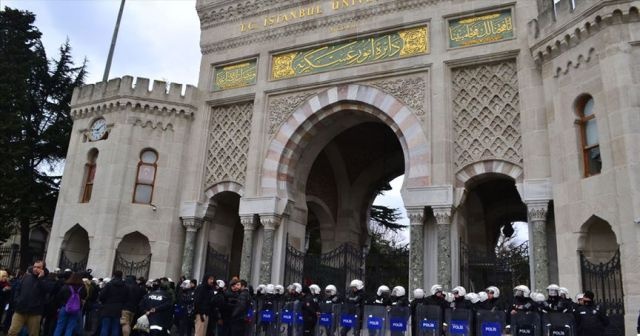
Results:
<point x="355" y="301"/>
<point x="459" y="300"/>
<point x="521" y="300"/>
<point x="331" y="295"/>
<point x="399" y="297"/>
<point x="554" y="303"/>
<point x="383" y="297"/>
<point x="418" y="299"/>
<point x="437" y="297"/>
<point x="310" y="310"/>
<point x="493" y="299"/>
<point x="590" y="318"/>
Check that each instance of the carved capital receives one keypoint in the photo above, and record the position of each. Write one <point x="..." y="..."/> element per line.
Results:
<point x="248" y="223"/>
<point x="416" y="216"/>
<point x="537" y="211"/>
<point x="270" y="222"/>
<point x="192" y="224"/>
<point x="442" y="214"/>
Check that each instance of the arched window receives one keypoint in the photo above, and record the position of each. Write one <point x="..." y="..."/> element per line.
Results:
<point x="592" y="162"/>
<point x="146" y="177"/>
<point x="89" y="175"/>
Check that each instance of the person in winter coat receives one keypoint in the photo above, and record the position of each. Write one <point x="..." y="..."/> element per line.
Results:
<point x="590" y="318"/>
<point x="30" y="300"/>
<point x="69" y="300"/>
<point x="5" y="291"/>
<point x="201" y="304"/>
<point x="157" y="305"/>
<point x="135" y="293"/>
<point x="113" y="297"/>
<point x="237" y="303"/>
<point x="418" y="300"/>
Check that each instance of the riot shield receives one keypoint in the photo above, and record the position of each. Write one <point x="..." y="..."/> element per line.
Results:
<point x="428" y="320"/>
<point x="288" y="324"/>
<point x="251" y="319"/>
<point x="558" y="324"/>
<point x="349" y="319"/>
<point x="490" y="323"/>
<point x="327" y="321"/>
<point x="398" y="321"/>
<point x="267" y="322"/>
<point x="459" y="322"/>
<point x="526" y="324"/>
<point x="375" y="318"/>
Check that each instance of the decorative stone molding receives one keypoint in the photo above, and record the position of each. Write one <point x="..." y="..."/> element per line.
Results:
<point x="547" y="41"/>
<point x="119" y="94"/>
<point x="581" y="59"/>
<point x="537" y="211"/>
<point x="416" y="216"/>
<point x="248" y="223"/>
<point x="270" y="222"/>
<point x="442" y="214"/>
<point x="486" y="118"/>
<point x="151" y="124"/>
<point x="302" y="27"/>
<point x="228" y="143"/>
<point x="410" y="90"/>
<point x="192" y="224"/>
<point x="281" y="107"/>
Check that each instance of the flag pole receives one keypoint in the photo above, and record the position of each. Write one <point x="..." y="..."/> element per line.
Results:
<point x="107" y="68"/>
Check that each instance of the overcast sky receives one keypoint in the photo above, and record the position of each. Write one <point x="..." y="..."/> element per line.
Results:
<point x="158" y="39"/>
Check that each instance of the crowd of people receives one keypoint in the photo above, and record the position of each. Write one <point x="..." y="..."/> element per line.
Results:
<point x="75" y="303"/>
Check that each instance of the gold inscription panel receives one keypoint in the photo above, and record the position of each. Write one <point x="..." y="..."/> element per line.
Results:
<point x="394" y="45"/>
<point x="486" y="28"/>
<point x="235" y="75"/>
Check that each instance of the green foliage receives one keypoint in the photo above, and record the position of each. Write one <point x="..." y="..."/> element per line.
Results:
<point x="35" y="124"/>
<point x="386" y="217"/>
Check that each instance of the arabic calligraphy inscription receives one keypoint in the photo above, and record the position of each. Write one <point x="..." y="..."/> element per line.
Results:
<point x="234" y="75"/>
<point x="403" y="43"/>
<point x="492" y="27"/>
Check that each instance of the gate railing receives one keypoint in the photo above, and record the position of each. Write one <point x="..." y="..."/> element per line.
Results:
<point x="66" y="263"/>
<point x="336" y="267"/>
<point x="504" y="269"/>
<point x="129" y="267"/>
<point x="605" y="281"/>
<point x="217" y="263"/>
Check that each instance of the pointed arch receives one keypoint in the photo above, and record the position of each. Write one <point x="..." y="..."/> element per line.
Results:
<point x="292" y="137"/>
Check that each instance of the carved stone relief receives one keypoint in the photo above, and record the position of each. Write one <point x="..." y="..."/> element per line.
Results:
<point x="281" y="107"/>
<point x="409" y="90"/>
<point x="486" y="112"/>
<point x="228" y="143"/>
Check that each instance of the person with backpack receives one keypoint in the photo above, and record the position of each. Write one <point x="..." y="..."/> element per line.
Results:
<point x="70" y="299"/>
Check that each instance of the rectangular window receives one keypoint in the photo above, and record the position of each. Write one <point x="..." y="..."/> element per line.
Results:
<point x="90" y="169"/>
<point x="144" y="183"/>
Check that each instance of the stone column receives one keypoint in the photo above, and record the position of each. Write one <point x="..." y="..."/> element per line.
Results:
<point x="416" y="248"/>
<point x="270" y="223"/>
<point x="443" y="225"/>
<point x="191" y="225"/>
<point x="537" y="213"/>
<point x="246" y="260"/>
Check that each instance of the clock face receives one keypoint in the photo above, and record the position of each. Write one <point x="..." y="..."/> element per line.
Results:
<point x="98" y="129"/>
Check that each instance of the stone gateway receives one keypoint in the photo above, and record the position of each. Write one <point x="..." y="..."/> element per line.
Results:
<point x="495" y="112"/>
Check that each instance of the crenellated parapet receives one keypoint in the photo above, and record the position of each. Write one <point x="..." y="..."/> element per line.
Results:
<point x="122" y="93"/>
<point x="560" y="28"/>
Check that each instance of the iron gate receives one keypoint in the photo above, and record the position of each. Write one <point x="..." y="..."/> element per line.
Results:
<point x="336" y="267"/>
<point x="387" y="266"/>
<point x="605" y="281"/>
<point x="129" y="267"/>
<point x="66" y="263"/>
<point x="217" y="263"/>
<point x="505" y="270"/>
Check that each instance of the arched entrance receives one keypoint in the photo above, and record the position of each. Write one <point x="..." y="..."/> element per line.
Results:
<point x="338" y="176"/>
<point x="225" y="237"/>
<point x="74" y="252"/>
<point x="601" y="269"/>
<point x="133" y="255"/>
<point x="493" y="235"/>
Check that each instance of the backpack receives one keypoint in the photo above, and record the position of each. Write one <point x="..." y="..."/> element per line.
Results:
<point x="73" y="304"/>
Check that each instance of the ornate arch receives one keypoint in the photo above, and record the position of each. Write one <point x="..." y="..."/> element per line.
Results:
<point x="292" y="137"/>
<point x="487" y="167"/>
<point x="224" y="186"/>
